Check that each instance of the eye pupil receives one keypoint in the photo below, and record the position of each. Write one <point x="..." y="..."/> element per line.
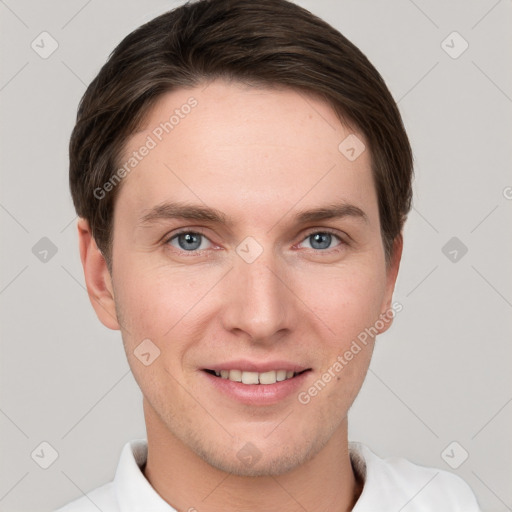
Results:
<point x="189" y="241"/>
<point x="321" y="240"/>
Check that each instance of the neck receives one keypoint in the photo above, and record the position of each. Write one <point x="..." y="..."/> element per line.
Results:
<point x="326" y="482"/>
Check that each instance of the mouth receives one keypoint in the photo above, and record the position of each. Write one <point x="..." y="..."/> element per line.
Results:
<point x="256" y="378"/>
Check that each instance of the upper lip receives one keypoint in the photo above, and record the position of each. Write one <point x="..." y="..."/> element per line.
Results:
<point x="260" y="367"/>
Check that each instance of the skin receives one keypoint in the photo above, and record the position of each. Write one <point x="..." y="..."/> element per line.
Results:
<point x="259" y="156"/>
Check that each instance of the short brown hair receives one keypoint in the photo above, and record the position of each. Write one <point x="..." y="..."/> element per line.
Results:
<point x="267" y="43"/>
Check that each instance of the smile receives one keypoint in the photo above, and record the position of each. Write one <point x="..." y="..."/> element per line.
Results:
<point x="264" y="378"/>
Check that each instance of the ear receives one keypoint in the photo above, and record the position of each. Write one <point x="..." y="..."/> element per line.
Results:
<point x="97" y="277"/>
<point x="391" y="275"/>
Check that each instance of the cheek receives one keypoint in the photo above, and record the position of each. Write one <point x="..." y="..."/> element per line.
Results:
<point x="158" y="308"/>
<point x="345" y="300"/>
<point x="153" y="300"/>
<point x="348" y="306"/>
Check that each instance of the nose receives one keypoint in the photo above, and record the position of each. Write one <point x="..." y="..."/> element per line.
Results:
<point x="258" y="303"/>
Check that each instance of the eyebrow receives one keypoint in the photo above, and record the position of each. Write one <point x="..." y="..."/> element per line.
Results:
<point x="334" y="211"/>
<point x="184" y="211"/>
<point x="192" y="212"/>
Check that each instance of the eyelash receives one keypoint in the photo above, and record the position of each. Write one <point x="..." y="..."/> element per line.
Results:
<point x="197" y="231"/>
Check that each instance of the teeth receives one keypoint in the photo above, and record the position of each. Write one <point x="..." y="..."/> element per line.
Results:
<point x="280" y="375"/>
<point x="270" y="377"/>
<point x="235" y="375"/>
<point x="249" y="377"/>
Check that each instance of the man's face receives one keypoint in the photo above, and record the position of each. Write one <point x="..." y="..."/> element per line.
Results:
<point x="258" y="286"/>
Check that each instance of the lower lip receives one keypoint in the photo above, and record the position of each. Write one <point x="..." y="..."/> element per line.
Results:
<point x="258" y="394"/>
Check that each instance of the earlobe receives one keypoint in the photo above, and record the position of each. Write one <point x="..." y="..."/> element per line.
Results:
<point x="97" y="277"/>
<point x="387" y="312"/>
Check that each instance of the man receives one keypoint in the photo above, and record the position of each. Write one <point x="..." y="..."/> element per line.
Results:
<point x="242" y="177"/>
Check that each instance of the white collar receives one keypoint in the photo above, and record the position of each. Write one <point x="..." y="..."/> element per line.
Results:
<point x="133" y="492"/>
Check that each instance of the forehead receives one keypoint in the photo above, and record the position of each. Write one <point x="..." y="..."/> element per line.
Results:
<point x="235" y="146"/>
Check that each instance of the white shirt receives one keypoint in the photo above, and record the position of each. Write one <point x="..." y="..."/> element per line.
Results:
<point x="390" y="485"/>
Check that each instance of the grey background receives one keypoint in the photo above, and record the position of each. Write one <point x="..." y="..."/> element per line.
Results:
<point x="441" y="374"/>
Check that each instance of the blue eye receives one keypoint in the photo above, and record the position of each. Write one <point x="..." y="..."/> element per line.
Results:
<point x="321" y="240"/>
<point x="189" y="241"/>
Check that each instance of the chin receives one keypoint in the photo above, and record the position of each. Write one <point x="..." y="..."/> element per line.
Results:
<point x="264" y="464"/>
<point x="260" y="457"/>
